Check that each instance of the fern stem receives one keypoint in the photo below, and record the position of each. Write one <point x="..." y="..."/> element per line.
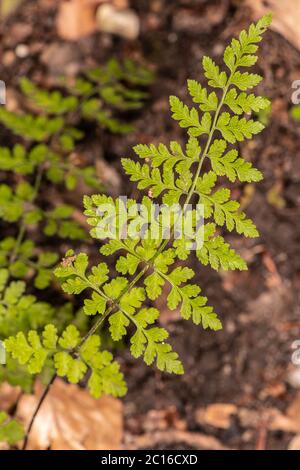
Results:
<point x="210" y="137"/>
<point x="109" y="310"/>
<point x="95" y="327"/>
<point x="19" y="240"/>
<point x="22" y="230"/>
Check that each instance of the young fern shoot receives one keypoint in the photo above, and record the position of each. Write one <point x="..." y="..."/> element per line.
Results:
<point x="147" y="264"/>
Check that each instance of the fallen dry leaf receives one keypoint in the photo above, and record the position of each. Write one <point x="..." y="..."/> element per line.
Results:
<point x="295" y="443"/>
<point x="217" y="415"/>
<point x="192" y="440"/>
<point x="8" y="396"/>
<point x="286" y="17"/>
<point x="273" y="280"/>
<point x="70" y="419"/>
<point x="272" y="418"/>
<point x="274" y="390"/>
<point x="288" y="422"/>
<point x="76" y="18"/>
<point x="160" y="420"/>
<point x="249" y="418"/>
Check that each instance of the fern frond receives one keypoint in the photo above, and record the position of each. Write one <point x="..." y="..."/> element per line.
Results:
<point x="38" y="128"/>
<point x="243" y="103"/>
<point x="173" y="158"/>
<point x="231" y="165"/>
<point x="127" y="303"/>
<point x="33" y="351"/>
<point x="207" y="101"/>
<point x="50" y="102"/>
<point x="234" y="129"/>
<point x="224" y="210"/>
<point x="217" y="253"/>
<point x="11" y="431"/>
<point x="189" y="118"/>
<point x="146" y="265"/>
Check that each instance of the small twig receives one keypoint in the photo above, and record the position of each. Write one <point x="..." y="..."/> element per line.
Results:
<point x="19" y="240"/>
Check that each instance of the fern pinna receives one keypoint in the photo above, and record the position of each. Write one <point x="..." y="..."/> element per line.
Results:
<point x="146" y="265"/>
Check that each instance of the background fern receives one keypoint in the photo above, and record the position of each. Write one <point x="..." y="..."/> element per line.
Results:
<point x="48" y="136"/>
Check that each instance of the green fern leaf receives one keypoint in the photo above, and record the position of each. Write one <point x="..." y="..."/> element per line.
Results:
<point x="243" y="103"/>
<point x="231" y="165"/>
<point x="118" y="324"/>
<point x="216" y="78"/>
<point x="207" y="102"/>
<point x="245" y="80"/>
<point x="186" y="117"/>
<point x="11" y="431"/>
<point x="234" y="129"/>
<point x="217" y="253"/>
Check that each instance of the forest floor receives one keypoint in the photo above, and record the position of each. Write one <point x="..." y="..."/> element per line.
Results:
<point x="246" y="367"/>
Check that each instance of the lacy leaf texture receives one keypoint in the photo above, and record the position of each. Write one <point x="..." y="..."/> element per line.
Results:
<point x="222" y="115"/>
